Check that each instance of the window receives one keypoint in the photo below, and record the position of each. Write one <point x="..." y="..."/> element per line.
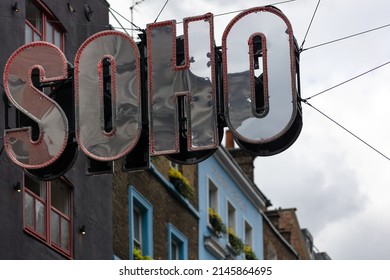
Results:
<point x="41" y="25"/>
<point x="48" y="207"/>
<point x="231" y="216"/>
<point x="213" y="196"/>
<point x="137" y="228"/>
<point x="177" y="244"/>
<point x="141" y="231"/>
<point x="174" y="165"/>
<point x="248" y="234"/>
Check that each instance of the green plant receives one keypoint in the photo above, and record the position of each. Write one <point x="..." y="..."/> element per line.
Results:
<point x="235" y="242"/>
<point x="181" y="183"/>
<point x="216" y="222"/>
<point x="249" y="254"/>
<point x="137" y="255"/>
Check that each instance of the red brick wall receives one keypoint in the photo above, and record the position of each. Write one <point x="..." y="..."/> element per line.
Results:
<point x="286" y="221"/>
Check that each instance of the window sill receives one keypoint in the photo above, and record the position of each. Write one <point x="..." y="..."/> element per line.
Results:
<point x="211" y="243"/>
<point x="211" y="229"/>
<point x="41" y="239"/>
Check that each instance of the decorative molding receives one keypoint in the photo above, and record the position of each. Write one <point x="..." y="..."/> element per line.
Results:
<point x="246" y="186"/>
<point x="212" y="245"/>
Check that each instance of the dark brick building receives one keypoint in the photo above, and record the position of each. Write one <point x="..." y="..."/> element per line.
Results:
<point x="286" y="222"/>
<point x="43" y="219"/>
<point x="276" y="246"/>
<point x="150" y="215"/>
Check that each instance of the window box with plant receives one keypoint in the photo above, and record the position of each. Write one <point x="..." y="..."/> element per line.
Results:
<point x="236" y="244"/>
<point x="216" y="222"/>
<point x="181" y="183"/>
<point x="249" y="254"/>
<point x="137" y="255"/>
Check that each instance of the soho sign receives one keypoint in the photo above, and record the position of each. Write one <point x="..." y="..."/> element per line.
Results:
<point x="254" y="91"/>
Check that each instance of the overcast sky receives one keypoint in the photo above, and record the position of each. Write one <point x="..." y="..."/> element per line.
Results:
<point x="339" y="185"/>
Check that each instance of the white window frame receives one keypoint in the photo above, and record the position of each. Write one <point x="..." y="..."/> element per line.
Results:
<point x="248" y="234"/>
<point x="231" y="215"/>
<point x="212" y="190"/>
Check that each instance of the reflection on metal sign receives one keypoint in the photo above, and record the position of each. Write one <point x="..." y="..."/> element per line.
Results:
<point x="107" y="64"/>
<point x="261" y="92"/>
<point x="176" y="93"/>
<point x="51" y="119"/>
<point x="190" y="84"/>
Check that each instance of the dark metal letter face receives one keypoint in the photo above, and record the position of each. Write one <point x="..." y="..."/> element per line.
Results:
<point x="185" y="91"/>
<point x="51" y="119"/>
<point x="260" y="103"/>
<point x="107" y="59"/>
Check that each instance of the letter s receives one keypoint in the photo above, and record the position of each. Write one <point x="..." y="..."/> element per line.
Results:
<point x="51" y="119"/>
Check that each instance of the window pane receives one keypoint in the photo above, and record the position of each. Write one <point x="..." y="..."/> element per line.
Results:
<point x="60" y="197"/>
<point x="29" y="210"/>
<point x="37" y="187"/>
<point x="248" y="234"/>
<point x="34" y="16"/>
<point x="57" y="39"/>
<point x="231" y="216"/>
<point x="29" y="32"/>
<point x="49" y="33"/>
<point x="40" y="217"/>
<point x="174" y="250"/>
<point x="137" y="227"/>
<point x="213" y="196"/>
<point x="141" y="223"/>
<point x="65" y="234"/>
<point x="174" y="165"/>
<point x="55" y="227"/>
<point x="37" y="37"/>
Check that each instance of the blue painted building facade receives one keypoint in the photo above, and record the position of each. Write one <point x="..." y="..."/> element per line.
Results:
<point x="224" y="187"/>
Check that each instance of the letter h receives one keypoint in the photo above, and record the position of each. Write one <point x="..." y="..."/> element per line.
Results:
<point x="181" y="86"/>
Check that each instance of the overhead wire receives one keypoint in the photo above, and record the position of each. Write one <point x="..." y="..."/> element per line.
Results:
<point x="305" y="100"/>
<point x="136" y="27"/>
<point x="349" y="80"/>
<point x="241" y="10"/>
<point x="119" y="23"/>
<point x="238" y="11"/>
<point x="162" y="9"/>
<point x="346" y="37"/>
<point x="345" y="129"/>
<point x="308" y="29"/>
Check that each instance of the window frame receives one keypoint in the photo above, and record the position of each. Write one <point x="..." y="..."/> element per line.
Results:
<point x="180" y="240"/>
<point x="46" y="17"/>
<point x="46" y="237"/>
<point x="231" y="210"/>
<point x="215" y="192"/>
<point x="174" y="165"/>
<point x="138" y="203"/>
<point x="140" y="229"/>
<point x="246" y="233"/>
